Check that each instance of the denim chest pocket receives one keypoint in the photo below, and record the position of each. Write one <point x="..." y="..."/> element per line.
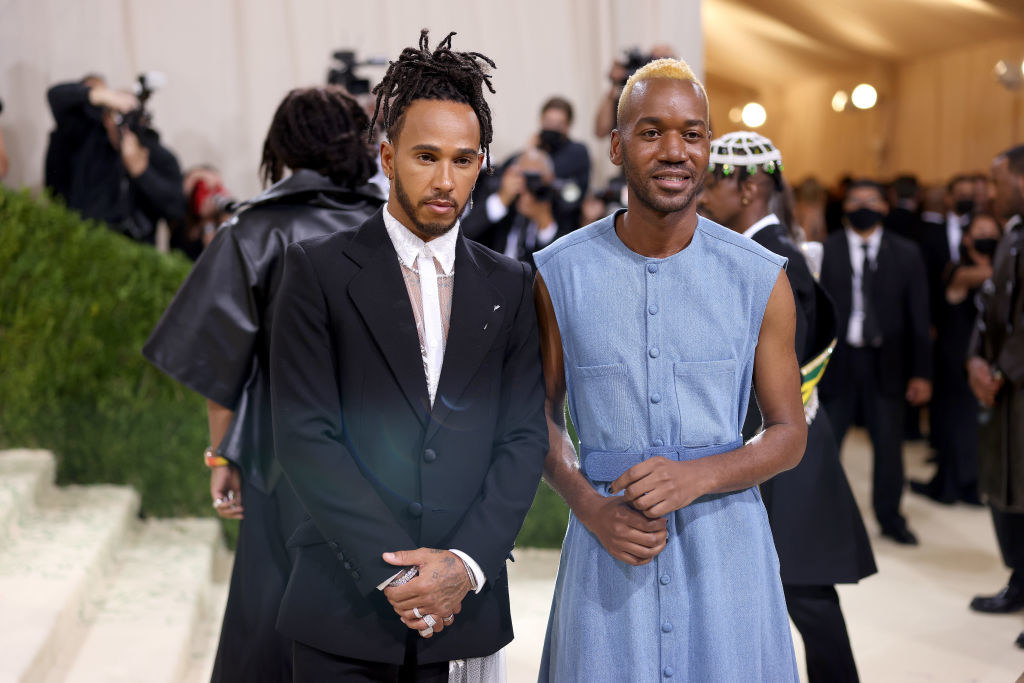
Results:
<point x="706" y="396"/>
<point x="604" y="409"/>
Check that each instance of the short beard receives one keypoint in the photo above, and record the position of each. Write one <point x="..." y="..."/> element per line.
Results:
<point x="638" y="188"/>
<point x="430" y="229"/>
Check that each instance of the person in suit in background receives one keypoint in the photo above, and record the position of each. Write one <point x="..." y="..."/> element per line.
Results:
<point x="884" y="353"/>
<point x="818" y="530"/>
<point x="215" y="338"/>
<point x="995" y="370"/>
<point x="495" y="211"/>
<point x="408" y="404"/>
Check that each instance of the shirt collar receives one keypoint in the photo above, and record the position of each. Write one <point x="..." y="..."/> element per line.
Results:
<point x="856" y="241"/>
<point x="770" y="219"/>
<point x="409" y="246"/>
<point x="1015" y="222"/>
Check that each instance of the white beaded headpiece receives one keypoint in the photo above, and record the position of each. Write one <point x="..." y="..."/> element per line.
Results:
<point x="744" y="150"/>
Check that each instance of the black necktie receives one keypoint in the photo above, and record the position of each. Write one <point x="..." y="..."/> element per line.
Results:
<point x="871" y="331"/>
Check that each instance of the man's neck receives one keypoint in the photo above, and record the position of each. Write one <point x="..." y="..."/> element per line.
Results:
<point x="654" y="234"/>
<point x="865" y="235"/>
<point x="399" y="215"/>
<point x="750" y="217"/>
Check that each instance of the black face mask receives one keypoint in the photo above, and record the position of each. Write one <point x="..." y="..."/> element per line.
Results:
<point x="986" y="246"/>
<point x="864" y="218"/>
<point x="962" y="207"/>
<point x="552" y="140"/>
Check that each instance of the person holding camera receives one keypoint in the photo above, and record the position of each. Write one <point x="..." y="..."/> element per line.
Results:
<point x="106" y="161"/>
<point x="619" y="72"/>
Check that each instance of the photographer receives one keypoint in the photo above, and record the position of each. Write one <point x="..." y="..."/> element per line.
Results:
<point x="209" y="205"/>
<point x="618" y="74"/>
<point x="106" y="161"/>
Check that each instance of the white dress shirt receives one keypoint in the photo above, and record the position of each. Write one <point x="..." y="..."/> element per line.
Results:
<point x="855" y="330"/>
<point x="954" y="233"/>
<point x="442" y="251"/>
<point x="770" y="219"/>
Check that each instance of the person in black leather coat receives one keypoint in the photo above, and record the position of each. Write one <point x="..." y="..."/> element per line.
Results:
<point x="215" y="339"/>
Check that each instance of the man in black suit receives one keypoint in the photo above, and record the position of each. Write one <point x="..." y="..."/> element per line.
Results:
<point x="408" y="404"/>
<point x="819" y="534"/>
<point x="878" y="283"/>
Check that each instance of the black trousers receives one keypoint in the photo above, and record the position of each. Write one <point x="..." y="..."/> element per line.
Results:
<point x="316" y="666"/>
<point x="816" y="613"/>
<point x="883" y="415"/>
<point x="250" y="647"/>
<point x="1010" y="534"/>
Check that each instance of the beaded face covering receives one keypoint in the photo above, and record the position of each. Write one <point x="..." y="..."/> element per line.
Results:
<point x="744" y="150"/>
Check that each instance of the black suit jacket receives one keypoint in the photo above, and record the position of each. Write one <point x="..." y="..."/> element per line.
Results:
<point x="375" y="467"/>
<point x="900" y="299"/>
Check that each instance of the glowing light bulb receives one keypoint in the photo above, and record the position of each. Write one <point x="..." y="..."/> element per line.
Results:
<point x="864" y="96"/>
<point x="840" y="100"/>
<point x="754" y="115"/>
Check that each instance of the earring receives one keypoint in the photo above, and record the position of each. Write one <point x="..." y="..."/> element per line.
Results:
<point x="744" y="201"/>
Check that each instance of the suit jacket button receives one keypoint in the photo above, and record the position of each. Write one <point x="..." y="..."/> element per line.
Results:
<point x="429" y="455"/>
<point x="415" y="509"/>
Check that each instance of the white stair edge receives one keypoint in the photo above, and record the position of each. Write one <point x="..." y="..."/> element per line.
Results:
<point x="143" y="623"/>
<point x="25" y="477"/>
<point x="48" y="571"/>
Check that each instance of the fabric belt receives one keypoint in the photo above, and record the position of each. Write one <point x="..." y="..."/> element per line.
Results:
<point x="607" y="466"/>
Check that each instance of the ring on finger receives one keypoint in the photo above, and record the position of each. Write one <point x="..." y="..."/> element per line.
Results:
<point x="449" y="619"/>
<point x="426" y="632"/>
<point x="217" y="502"/>
<point x="416" y="612"/>
<point x="430" y="621"/>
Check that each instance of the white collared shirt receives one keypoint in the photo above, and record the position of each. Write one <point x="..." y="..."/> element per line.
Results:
<point x="770" y="219"/>
<point x="409" y="247"/>
<point x="855" y="329"/>
<point x="954" y="233"/>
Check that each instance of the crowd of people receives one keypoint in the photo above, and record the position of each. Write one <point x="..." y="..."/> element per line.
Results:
<point x="355" y="461"/>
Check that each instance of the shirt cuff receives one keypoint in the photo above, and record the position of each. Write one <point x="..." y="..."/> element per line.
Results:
<point x="388" y="580"/>
<point x="478" y="573"/>
<point x="496" y="209"/>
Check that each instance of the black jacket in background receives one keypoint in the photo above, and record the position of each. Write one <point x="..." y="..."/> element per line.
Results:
<point x="84" y="169"/>
<point x="900" y="300"/>
<point x="215" y="335"/>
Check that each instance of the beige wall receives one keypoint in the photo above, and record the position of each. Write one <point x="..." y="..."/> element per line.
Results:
<point x="229" y="62"/>
<point x="936" y="116"/>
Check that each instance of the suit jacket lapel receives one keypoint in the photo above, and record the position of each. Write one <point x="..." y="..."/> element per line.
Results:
<point x="477" y="314"/>
<point x="378" y="292"/>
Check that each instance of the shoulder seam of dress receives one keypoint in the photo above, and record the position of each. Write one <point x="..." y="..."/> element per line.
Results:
<point x="764" y="253"/>
<point x="575" y="238"/>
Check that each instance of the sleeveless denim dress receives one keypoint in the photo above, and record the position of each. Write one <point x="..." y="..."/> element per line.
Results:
<point x="659" y="355"/>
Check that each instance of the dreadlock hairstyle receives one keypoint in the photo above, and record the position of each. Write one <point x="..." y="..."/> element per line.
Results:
<point x="320" y="129"/>
<point x="441" y="74"/>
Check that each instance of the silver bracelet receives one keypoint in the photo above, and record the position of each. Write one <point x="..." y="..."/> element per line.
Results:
<point x="407" y="576"/>
<point x="472" y="577"/>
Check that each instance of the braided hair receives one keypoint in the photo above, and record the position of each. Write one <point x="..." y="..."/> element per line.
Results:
<point x="320" y="129"/>
<point x="441" y="74"/>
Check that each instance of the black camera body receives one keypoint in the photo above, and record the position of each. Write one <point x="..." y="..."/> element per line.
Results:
<point x="343" y="72"/>
<point x="140" y="120"/>
<point x="634" y="59"/>
<point x="535" y="185"/>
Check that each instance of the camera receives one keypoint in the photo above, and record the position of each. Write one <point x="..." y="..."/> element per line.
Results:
<point x="634" y="59"/>
<point x="343" y="72"/>
<point x="535" y="185"/>
<point x="140" y="118"/>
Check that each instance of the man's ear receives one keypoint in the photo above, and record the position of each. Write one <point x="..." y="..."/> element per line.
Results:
<point x="615" y="150"/>
<point x="750" y="190"/>
<point x="387" y="158"/>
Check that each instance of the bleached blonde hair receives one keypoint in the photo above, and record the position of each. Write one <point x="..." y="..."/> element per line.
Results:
<point x="675" y="69"/>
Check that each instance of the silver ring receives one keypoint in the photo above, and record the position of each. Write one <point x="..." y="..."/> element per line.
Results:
<point x="217" y="502"/>
<point x="429" y="621"/>
<point x="416" y="612"/>
<point x="449" y="619"/>
<point x="426" y="632"/>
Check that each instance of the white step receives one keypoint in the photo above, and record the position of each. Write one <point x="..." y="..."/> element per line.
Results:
<point x="24" y="476"/>
<point x="55" y="557"/>
<point x="141" y="626"/>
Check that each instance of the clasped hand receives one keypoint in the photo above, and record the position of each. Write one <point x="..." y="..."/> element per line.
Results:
<point x="437" y="591"/>
<point x="633" y="527"/>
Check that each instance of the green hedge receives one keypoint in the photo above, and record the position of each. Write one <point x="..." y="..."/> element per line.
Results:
<point x="77" y="301"/>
